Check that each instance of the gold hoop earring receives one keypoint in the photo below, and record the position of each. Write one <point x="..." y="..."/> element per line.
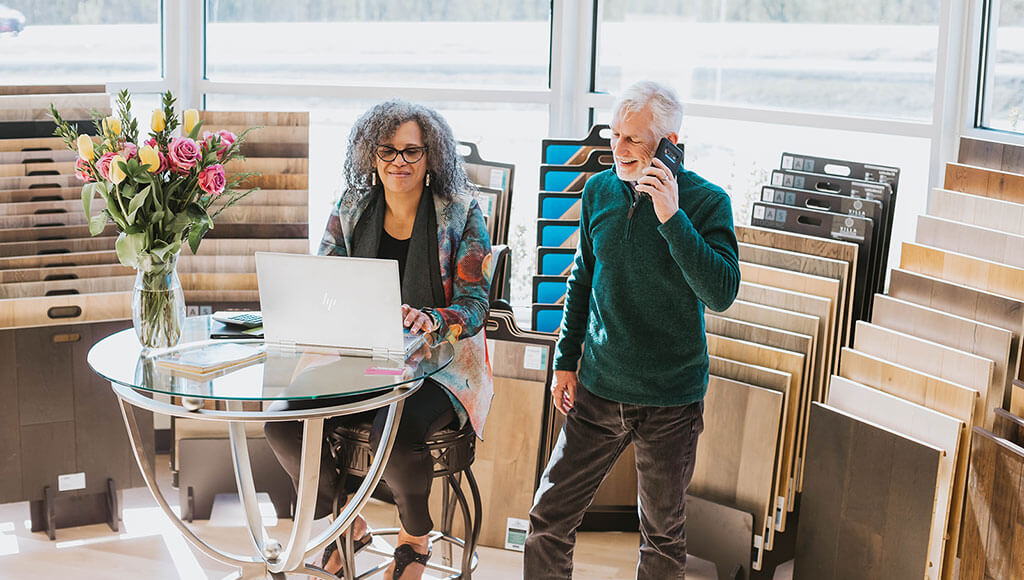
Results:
<point x="427" y="183"/>
<point x="373" y="177"/>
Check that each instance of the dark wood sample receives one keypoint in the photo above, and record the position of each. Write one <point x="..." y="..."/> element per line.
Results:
<point x="992" y="545"/>
<point x="867" y="501"/>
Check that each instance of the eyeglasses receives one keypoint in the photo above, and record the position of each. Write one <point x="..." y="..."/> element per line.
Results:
<point x="410" y="154"/>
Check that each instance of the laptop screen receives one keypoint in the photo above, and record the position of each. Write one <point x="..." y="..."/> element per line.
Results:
<point x="330" y="301"/>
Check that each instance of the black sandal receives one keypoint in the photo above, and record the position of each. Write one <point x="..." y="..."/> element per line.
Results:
<point x="358" y="545"/>
<point x="406" y="555"/>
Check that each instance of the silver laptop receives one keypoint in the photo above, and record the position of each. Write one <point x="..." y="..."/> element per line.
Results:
<point x="350" y="304"/>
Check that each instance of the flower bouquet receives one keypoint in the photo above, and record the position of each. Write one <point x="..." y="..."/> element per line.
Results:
<point x="159" y="193"/>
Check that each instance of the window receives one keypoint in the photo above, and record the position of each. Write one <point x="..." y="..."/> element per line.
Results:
<point x="445" y="43"/>
<point x="872" y="58"/>
<point x="44" y="42"/>
<point x="1003" y="90"/>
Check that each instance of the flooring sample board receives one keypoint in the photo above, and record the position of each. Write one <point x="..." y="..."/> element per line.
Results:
<point x="993" y="533"/>
<point x="1004" y="216"/>
<point x="923" y="424"/>
<point x="813" y="265"/>
<point x="1017" y="398"/>
<point x="769" y="379"/>
<point x="917" y="387"/>
<point x="737" y="450"/>
<point x="807" y="284"/>
<point x="868" y="499"/>
<point x="785" y="361"/>
<point x="949" y="398"/>
<point x="963" y="269"/>
<point x="990" y="342"/>
<point x="1009" y="427"/>
<point x="955" y="366"/>
<point x="990" y="154"/>
<point x="971" y="240"/>
<point x="988" y="182"/>
<point x="993" y="309"/>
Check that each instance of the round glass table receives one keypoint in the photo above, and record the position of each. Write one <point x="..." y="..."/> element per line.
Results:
<point x="239" y="371"/>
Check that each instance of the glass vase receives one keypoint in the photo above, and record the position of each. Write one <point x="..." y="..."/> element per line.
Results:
<point x="158" y="305"/>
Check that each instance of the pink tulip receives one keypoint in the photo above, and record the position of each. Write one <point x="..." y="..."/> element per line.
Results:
<point x="212" y="179"/>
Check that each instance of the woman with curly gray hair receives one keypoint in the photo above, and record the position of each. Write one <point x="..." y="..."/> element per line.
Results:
<point x="407" y="198"/>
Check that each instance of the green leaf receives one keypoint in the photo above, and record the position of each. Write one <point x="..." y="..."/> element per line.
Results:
<point x="137" y="201"/>
<point x="195" y="235"/>
<point x="97" y="223"/>
<point x="129" y="248"/>
<point x="179" y="223"/>
<point x="88" y="192"/>
<point x="167" y="249"/>
<point x="198" y="214"/>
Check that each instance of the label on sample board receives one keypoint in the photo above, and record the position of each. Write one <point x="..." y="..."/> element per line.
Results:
<point x="515" y="534"/>
<point x="534" y="357"/>
<point x="71" y="481"/>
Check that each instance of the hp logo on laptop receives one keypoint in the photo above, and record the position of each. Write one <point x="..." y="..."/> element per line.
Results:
<point x="328" y="301"/>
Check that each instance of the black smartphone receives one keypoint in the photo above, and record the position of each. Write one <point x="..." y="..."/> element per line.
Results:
<point x="669" y="154"/>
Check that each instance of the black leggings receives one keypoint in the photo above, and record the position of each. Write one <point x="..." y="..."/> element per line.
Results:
<point x="409" y="471"/>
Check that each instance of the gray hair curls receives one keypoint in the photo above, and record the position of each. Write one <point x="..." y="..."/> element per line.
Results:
<point x="377" y="125"/>
<point x="661" y="100"/>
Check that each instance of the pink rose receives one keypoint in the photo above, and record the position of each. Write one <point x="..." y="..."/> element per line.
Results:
<point x="184" y="154"/>
<point x="164" y="163"/>
<point x="103" y="164"/>
<point x="84" y="171"/>
<point x="151" y="142"/>
<point x="129" y="151"/>
<point x="212" y="179"/>
<point x="227" y="139"/>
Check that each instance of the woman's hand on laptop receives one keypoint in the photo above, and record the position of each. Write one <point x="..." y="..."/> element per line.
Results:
<point x="416" y="321"/>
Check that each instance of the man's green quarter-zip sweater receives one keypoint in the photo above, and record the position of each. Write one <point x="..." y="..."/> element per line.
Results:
<point x="637" y="291"/>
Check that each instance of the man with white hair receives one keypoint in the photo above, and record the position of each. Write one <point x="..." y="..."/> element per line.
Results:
<point x="655" y="248"/>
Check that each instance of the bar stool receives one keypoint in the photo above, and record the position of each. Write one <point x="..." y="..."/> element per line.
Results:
<point x="453" y="451"/>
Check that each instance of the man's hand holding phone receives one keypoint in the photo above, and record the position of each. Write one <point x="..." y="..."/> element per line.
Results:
<point x="660" y="184"/>
<point x="563" y="391"/>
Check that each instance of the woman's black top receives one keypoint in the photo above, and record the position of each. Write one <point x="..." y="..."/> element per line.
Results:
<point x="393" y="249"/>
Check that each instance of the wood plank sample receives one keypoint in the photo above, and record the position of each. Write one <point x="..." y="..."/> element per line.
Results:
<point x="49" y="310"/>
<point x="915" y="386"/>
<point x="1009" y="427"/>
<point x="990" y="154"/>
<point x="769" y="379"/>
<point x="988" y="182"/>
<point x="923" y="424"/>
<point x="949" y="398"/>
<point x="955" y="366"/>
<point x="957" y="332"/>
<point x="867" y="504"/>
<point x="962" y="269"/>
<point x="785" y="361"/>
<point x="813" y="265"/>
<point x="506" y="464"/>
<point x="736" y="452"/>
<point x="996" y="214"/>
<point x="993" y="309"/>
<point x="993" y="534"/>
<point x="971" y="240"/>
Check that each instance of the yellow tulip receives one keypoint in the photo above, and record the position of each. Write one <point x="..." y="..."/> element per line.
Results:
<point x="148" y="157"/>
<point x="112" y="126"/>
<point x="159" y="121"/>
<point x="189" y="120"/>
<point x="116" y="173"/>
<point x="85" y="147"/>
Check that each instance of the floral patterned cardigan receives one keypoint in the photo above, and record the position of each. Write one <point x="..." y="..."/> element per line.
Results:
<point x="464" y="253"/>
